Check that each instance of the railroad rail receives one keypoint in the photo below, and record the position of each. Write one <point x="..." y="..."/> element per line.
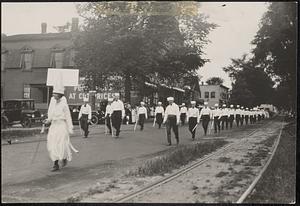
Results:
<point x="187" y="168"/>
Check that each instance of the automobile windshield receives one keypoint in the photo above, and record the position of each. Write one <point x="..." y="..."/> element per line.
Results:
<point x="27" y="105"/>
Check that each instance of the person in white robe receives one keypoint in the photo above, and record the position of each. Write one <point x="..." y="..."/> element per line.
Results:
<point x="58" y="140"/>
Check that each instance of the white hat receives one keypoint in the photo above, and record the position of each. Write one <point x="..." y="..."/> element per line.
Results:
<point x="170" y="99"/>
<point x="231" y="105"/>
<point x="216" y="105"/>
<point x="110" y="99"/>
<point x="247" y="108"/>
<point x="237" y="106"/>
<point x="193" y="102"/>
<point x="58" y="87"/>
<point x="116" y="95"/>
<point x="242" y="107"/>
<point x="142" y="103"/>
<point x="205" y="103"/>
<point x="85" y="99"/>
<point x="183" y="104"/>
<point x="159" y="103"/>
<point x="224" y="105"/>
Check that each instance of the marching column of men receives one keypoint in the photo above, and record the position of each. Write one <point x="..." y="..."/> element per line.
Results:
<point x="220" y="118"/>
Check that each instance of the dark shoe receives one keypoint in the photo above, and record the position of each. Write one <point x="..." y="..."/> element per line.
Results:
<point x="169" y="144"/>
<point x="55" y="168"/>
<point x="177" y="142"/>
<point x="64" y="163"/>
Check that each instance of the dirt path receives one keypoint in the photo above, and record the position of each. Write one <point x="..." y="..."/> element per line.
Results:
<point x="221" y="179"/>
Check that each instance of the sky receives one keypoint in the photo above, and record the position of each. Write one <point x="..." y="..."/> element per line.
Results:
<point x="238" y="23"/>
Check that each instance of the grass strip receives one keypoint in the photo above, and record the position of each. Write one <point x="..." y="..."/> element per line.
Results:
<point x="176" y="158"/>
<point x="278" y="183"/>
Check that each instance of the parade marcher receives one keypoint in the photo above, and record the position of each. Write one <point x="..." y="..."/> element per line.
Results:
<point x="246" y="115"/>
<point x="238" y="115"/>
<point x="108" y="112"/>
<point x="205" y="115"/>
<point x="171" y="119"/>
<point x="128" y="115"/>
<point x="231" y="115"/>
<point x="242" y="116"/>
<point x="118" y="113"/>
<point x="134" y="114"/>
<point x="251" y="116"/>
<point x="216" y="116"/>
<point x="85" y="116"/>
<point x="193" y="118"/>
<point x="224" y="117"/>
<point x="142" y="115"/>
<point x="183" y="111"/>
<point x="259" y="116"/>
<point x="58" y="140"/>
<point x="159" y="114"/>
<point x="254" y="115"/>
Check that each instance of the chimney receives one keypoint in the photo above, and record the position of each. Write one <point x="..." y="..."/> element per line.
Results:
<point x="75" y="22"/>
<point x="44" y="28"/>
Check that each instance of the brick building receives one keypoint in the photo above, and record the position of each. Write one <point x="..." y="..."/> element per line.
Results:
<point x="214" y="94"/>
<point x="25" y="59"/>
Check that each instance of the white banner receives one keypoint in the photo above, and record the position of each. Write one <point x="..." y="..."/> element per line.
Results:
<point x="69" y="77"/>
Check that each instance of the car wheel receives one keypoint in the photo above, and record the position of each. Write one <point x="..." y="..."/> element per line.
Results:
<point x="26" y="123"/>
<point x="94" y="120"/>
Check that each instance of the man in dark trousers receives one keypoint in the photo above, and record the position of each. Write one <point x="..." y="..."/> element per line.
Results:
<point x="238" y="115"/>
<point x="193" y="118"/>
<point x="142" y="115"/>
<point x="231" y="115"/>
<point x="85" y="116"/>
<point x="159" y="113"/>
<point x="216" y="116"/>
<point x="172" y="119"/>
<point x="205" y="115"/>
<point x="183" y="111"/>
<point x="224" y="117"/>
<point x="108" y="112"/>
<point x="118" y="113"/>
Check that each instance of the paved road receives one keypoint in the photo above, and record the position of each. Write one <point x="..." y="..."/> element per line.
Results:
<point x="22" y="179"/>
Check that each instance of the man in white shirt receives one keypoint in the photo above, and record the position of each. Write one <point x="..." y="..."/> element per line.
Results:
<point x="159" y="113"/>
<point x="205" y="115"/>
<point x="238" y="115"/>
<point x="231" y="115"/>
<point x="224" y="117"/>
<point x="85" y="116"/>
<point x="108" y="112"/>
<point x="171" y="119"/>
<point x="142" y="114"/>
<point x="216" y="113"/>
<point x="183" y="111"/>
<point x="118" y="113"/>
<point x="193" y="118"/>
<point x="246" y="113"/>
<point x="242" y="115"/>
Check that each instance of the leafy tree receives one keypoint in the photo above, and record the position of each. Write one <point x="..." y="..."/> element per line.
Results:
<point x="127" y="40"/>
<point x="275" y="45"/>
<point x="215" y="81"/>
<point x="251" y="85"/>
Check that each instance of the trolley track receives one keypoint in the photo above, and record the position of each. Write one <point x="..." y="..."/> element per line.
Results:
<point x="188" y="168"/>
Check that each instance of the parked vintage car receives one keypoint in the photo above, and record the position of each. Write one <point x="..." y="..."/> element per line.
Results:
<point x="20" y="111"/>
<point x="97" y="116"/>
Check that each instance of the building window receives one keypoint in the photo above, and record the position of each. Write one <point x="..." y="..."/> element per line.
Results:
<point x="206" y="95"/>
<point x="26" y="91"/>
<point x="57" y="60"/>
<point x="213" y="95"/>
<point x="26" y="59"/>
<point x="72" y="57"/>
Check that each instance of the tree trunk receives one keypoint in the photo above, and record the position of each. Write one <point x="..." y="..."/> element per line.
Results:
<point x="127" y="87"/>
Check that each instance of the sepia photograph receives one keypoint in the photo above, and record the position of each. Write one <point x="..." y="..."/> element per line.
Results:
<point x="149" y="102"/>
